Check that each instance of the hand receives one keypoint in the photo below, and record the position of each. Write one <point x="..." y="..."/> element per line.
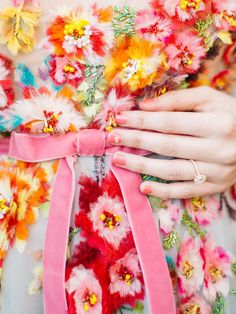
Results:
<point x="198" y="124"/>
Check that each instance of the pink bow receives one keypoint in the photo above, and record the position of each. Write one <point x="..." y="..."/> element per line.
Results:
<point x="4" y="145"/>
<point x="146" y="236"/>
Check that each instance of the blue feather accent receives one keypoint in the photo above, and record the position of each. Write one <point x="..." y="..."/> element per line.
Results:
<point x="25" y="76"/>
<point x="9" y="121"/>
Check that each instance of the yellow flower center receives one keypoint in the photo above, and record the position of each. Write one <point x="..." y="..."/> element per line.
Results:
<point x="192" y="309"/>
<point x="190" y="4"/>
<point x="69" y="69"/>
<point x="111" y="123"/>
<point x="199" y="204"/>
<point x="188" y="270"/>
<point x="126" y="275"/>
<point x="76" y="28"/>
<point x="229" y="17"/>
<point x="110" y="220"/>
<point x="6" y="206"/>
<point x="50" y="122"/>
<point x="89" y="300"/>
<point x="215" y="273"/>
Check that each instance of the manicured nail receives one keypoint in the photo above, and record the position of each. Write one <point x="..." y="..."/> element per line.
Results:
<point x="146" y="189"/>
<point x="121" y="119"/>
<point x="118" y="160"/>
<point x="114" y="138"/>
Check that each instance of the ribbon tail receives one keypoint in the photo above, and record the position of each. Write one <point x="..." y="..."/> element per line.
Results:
<point x="56" y="241"/>
<point x="148" y="243"/>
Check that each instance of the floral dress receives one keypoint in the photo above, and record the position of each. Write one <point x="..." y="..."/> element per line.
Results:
<point x="70" y="239"/>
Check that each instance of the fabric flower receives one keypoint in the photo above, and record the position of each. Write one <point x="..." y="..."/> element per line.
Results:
<point x="167" y="216"/>
<point x="48" y="112"/>
<point x="185" y="52"/>
<point x="152" y="25"/>
<point x="217" y="269"/>
<point x="116" y="101"/>
<point x="184" y="10"/>
<point x="6" y="82"/>
<point x="18" y="28"/>
<point x="103" y="219"/>
<point x="230" y="54"/>
<point x="79" y="33"/>
<point x="189" y="267"/>
<point x="203" y="210"/>
<point x="65" y="70"/>
<point x="194" y="305"/>
<point x="135" y="62"/>
<point x="126" y="284"/>
<point x="225" y="14"/>
<point x="84" y="291"/>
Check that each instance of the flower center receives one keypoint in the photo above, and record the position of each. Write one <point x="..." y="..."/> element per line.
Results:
<point x="131" y="69"/>
<point x="192" y="309"/>
<point x="89" y="300"/>
<point x="110" y="220"/>
<point x="50" y="122"/>
<point x="153" y="29"/>
<point x="215" y="273"/>
<point x="229" y="17"/>
<point x="5" y="206"/>
<point x="125" y="275"/>
<point x="188" y="270"/>
<point x="185" y="56"/>
<point x="78" y="33"/>
<point x="199" y="204"/>
<point x="69" y="69"/>
<point x="190" y="4"/>
<point x="111" y="122"/>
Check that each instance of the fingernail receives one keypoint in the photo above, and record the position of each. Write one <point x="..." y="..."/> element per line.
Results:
<point x="114" y="138"/>
<point x="146" y="189"/>
<point x="118" y="160"/>
<point x="121" y="119"/>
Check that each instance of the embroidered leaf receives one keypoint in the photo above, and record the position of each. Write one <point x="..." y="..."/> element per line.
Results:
<point x="219" y="305"/>
<point x="156" y="203"/>
<point x="233" y="267"/>
<point x="202" y="27"/>
<point x="191" y="225"/>
<point x="155" y="179"/>
<point x="123" y="22"/>
<point x="171" y="240"/>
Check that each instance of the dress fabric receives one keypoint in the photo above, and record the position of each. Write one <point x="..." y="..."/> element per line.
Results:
<point x="103" y="273"/>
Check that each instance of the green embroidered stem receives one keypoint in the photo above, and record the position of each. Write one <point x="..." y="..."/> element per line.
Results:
<point x="191" y="225"/>
<point x="233" y="267"/>
<point x="219" y="306"/>
<point x="72" y="233"/>
<point x="123" y="22"/>
<point x="155" y="179"/>
<point x="171" y="240"/>
<point x="202" y="27"/>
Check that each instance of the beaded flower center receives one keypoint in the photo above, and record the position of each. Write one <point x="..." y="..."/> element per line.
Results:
<point x="89" y="300"/>
<point x="131" y="69"/>
<point x="190" y="4"/>
<point x="215" y="273"/>
<point x="69" y="69"/>
<point x="110" y="220"/>
<point x="125" y="275"/>
<point x="50" y="122"/>
<point x="192" y="309"/>
<point x="5" y="206"/>
<point x="188" y="270"/>
<point x="77" y="33"/>
<point x="185" y="56"/>
<point x="199" y="204"/>
<point x="229" y="17"/>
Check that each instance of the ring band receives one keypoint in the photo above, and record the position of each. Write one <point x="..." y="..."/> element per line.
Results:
<point x="199" y="178"/>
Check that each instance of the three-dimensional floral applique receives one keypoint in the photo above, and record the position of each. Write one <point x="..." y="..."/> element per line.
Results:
<point x="6" y="82"/>
<point x="18" y="28"/>
<point x="225" y="14"/>
<point x="194" y="305"/>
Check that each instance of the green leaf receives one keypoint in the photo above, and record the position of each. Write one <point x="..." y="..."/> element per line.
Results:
<point x="191" y="225"/>
<point x="123" y="22"/>
<point x="219" y="305"/>
<point x="171" y="240"/>
<point x="139" y="308"/>
<point x="154" y="179"/>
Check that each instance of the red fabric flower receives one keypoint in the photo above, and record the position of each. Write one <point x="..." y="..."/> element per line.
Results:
<point x="6" y="83"/>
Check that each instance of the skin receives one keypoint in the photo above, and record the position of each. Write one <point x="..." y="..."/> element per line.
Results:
<point x="198" y="124"/>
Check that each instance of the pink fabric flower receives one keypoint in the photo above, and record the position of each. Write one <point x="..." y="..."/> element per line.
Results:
<point x="152" y="25"/>
<point x="125" y="275"/>
<point x="109" y="219"/>
<point x="66" y="70"/>
<point x="225" y="11"/>
<point x="184" y="10"/>
<point x="189" y="267"/>
<point x="167" y="217"/>
<point x="203" y="210"/>
<point x="217" y="269"/>
<point x="86" y="290"/>
<point x="185" y="52"/>
<point x="194" y="304"/>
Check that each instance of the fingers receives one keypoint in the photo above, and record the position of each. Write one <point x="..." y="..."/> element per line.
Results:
<point x="192" y="99"/>
<point x="187" y="123"/>
<point x="182" y="190"/>
<point x="185" y="147"/>
<point x="172" y="170"/>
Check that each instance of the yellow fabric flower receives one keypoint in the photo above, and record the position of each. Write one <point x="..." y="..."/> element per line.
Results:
<point x="18" y="27"/>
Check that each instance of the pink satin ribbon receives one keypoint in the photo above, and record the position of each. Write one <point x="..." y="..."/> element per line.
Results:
<point x="146" y="236"/>
<point x="4" y="145"/>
